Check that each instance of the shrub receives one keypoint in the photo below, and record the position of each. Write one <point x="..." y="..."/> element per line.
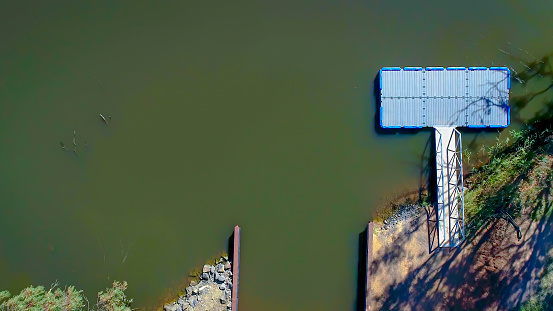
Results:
<point x="37" y="298"/>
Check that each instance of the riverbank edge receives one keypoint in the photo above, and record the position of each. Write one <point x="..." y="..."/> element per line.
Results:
<point x="201" y="290"/>
<point x="211" y="291"/>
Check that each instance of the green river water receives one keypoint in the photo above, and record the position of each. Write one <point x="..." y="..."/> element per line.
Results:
<point x="257" y="113"/>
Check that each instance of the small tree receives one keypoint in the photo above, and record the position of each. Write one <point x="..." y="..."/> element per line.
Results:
<point x="36" y="298"/>
<point x="114" y="298"/>
<point x="69" y="299"/>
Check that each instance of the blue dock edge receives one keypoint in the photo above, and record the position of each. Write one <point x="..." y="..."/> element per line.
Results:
<point x="451" y="68"/>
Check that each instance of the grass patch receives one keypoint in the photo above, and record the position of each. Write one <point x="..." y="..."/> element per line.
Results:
<point x="516" y="178"/>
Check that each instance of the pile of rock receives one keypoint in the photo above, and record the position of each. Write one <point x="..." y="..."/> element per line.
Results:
<point x="404" y="213"/>
<point x="212" y="293"/>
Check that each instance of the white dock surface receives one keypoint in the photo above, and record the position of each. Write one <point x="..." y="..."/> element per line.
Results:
<point x="446" y="191"/>
<point x="416" y="97"/>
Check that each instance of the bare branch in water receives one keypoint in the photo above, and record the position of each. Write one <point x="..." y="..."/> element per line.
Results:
<point x="105" y="121"/>
<point x="87" y="302"/>
<point x="54" y="285"/>
<point x="98" y="81"/>
<point x="62" y="145"/>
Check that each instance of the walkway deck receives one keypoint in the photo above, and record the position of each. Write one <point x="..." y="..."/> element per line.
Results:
<point x="449" y="180"/>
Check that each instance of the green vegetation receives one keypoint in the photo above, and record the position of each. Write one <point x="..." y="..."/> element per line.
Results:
<point x="517" y="180"/>
<point x="114" y="298"/>
<point x="517" y="177"/>
<point x="37" y="298"/>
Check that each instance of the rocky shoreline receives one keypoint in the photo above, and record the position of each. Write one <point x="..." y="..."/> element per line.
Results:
<point x="404" y="213"/>
<point x="212" y="293"/>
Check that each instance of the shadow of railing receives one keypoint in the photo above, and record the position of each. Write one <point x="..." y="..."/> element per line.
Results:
<point x="429" y="179"/>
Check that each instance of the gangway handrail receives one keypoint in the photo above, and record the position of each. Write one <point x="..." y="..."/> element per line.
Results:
<point x="440" y="183"/>
<point x="455" y="189"/>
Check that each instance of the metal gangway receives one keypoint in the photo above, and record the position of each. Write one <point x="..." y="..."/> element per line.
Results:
<point x="444" y="99"/>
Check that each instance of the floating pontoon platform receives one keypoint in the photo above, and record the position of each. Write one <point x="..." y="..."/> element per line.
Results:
<point x="413" y="97"/>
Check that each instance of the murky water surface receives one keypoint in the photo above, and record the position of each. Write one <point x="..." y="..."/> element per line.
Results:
<point x="222" y="113"/>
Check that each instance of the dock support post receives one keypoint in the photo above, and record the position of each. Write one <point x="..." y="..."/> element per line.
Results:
<point x="235" y="268"/>
<point x="369" y="264"/>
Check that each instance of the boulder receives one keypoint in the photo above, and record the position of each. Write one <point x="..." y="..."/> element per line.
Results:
<point x="223" y="301"/>
<point x="205" y="276"/>
<point x="222" y="287"/>
<point x="181" y="301"/>
<point x="219" y="278"/>
<point x="206" y="268"/>
<point x="220" y="268"/>
<point x="203" y="289"/>
<point x="193" y="283"/>
<point x="228" y="266"/>
<point x="172" y="307"/>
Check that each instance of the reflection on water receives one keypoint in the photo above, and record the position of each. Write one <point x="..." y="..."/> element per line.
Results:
<point x="221" y="113"/>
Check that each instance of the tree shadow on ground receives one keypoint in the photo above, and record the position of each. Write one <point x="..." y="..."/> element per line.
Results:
<point x="487" y="272"/>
